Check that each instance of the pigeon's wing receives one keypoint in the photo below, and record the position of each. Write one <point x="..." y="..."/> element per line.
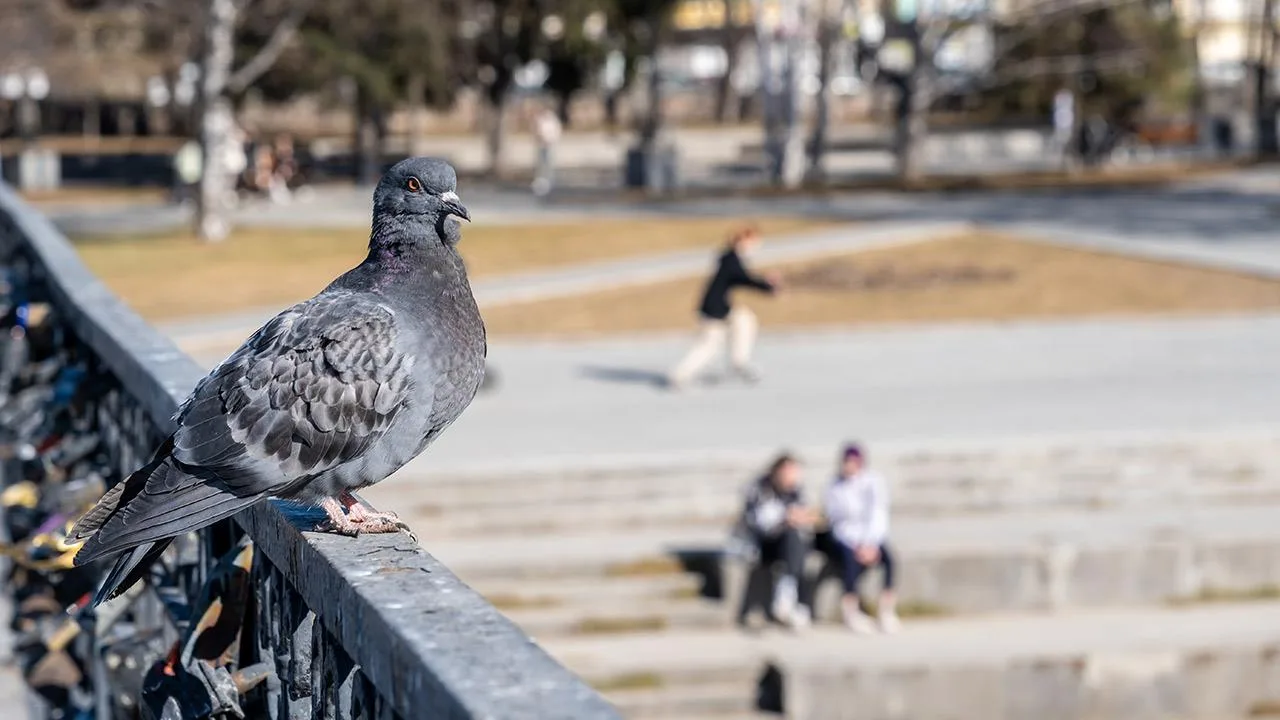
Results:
<point x="308" y="392"/>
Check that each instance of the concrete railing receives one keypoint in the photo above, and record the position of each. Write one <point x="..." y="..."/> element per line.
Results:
<point x="331" y="627"/>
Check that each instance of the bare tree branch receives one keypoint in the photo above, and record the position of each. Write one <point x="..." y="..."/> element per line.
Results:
<point x="1043" y="12"/>
<point x="1070" y="65"/>
<point x="271" y="50"/>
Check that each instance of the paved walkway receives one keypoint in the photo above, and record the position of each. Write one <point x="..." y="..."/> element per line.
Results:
<point x="950" y="382"/>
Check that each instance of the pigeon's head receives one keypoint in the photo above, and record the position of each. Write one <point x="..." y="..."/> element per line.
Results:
<point x="419" y="189"/>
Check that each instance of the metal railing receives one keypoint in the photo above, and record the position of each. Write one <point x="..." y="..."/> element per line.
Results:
<point x="321" y="626"/>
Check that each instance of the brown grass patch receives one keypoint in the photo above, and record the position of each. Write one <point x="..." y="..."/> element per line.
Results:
<point x="629" y="681"/>
<point x="512" y="601"/>
<point x="644" y="567"/>
<point x="1228" y="595"/>
<point x="618" y="625"/>
<point x="94" y="195"/>
<point x="176" y="276"/>
<point x="976" y="276"/>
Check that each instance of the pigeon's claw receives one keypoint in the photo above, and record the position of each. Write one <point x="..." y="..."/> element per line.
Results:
<point x="338" y="523"/>
<point x="381" y="523"/>
<point x="348" y="516"/>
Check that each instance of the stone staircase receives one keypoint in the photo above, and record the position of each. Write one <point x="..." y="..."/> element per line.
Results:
<point x="1011" y="559"/>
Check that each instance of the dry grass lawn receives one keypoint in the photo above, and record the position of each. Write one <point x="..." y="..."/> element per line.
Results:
<point x="975" y="276"/>
<point x="170" y="277"/>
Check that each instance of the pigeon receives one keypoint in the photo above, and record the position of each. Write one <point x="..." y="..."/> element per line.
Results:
<point x="330" y="396"/>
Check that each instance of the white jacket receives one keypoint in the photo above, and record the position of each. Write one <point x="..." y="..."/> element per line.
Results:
<point x="858" y="509"/>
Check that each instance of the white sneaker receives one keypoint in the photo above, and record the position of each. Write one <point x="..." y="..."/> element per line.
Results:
<point x="889" y="622"/>
<point x="800" y="618"/>
<point x="748" y="374"/>
<point x="859" y="622"/>
<point x="785" y="595"/>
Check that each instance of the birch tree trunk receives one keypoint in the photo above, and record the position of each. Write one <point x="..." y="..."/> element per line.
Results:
<point x="216" y="120"/>
<point x="729" y="43"/>
<point x="916" y="95"/>
<point x="822" y="102"/>
<point x="793" y="155"/>
<point x="495" y="132"/>
<point x="767" y="87"/>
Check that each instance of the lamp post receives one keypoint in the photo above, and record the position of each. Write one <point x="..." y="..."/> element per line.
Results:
<point x="36" y="88"/>
<point x="26" y="89"/>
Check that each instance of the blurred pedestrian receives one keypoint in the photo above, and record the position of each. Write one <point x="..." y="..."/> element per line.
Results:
<point x="857" y="509"/>
<point x="234" y="157"/>
<point x="263" y="168"/>
<point x="188" y="166"/>
<point x="1064" y="123"/>
<point x="720" y="319"/>
<point x="778" y="522"/>
<point x="546" y="130"/>
<point x="283" y="169"/>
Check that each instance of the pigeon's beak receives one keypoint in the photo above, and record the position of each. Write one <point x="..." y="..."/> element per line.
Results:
<point x="454" y="206"/>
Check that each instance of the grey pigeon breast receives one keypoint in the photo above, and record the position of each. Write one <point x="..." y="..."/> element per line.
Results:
<point x="450" y="340"/>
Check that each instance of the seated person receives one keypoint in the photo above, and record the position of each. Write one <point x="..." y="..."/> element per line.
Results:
<point x="857" y="509"/>
<point x="776" y="519"/>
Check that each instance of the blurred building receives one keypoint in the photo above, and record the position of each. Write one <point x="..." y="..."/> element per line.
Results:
<point x="1226" y="34"/>
<point x="96" y="67"/>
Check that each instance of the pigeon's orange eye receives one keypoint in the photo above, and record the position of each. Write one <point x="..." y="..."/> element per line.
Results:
<point x="415" y="185"/>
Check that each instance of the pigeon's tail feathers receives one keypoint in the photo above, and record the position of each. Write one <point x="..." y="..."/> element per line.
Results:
<point x="128" y="570"/>
<point x="160" y="501"/>
<point x="120" y="494"/>
<point x="91" y="521"/>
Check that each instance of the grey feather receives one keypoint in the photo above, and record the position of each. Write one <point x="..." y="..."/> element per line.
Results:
<point x="331" y="395"/>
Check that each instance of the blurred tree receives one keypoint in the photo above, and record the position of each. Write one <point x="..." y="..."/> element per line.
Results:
<point x="1117" y="58"/>
<point x="573" y="31"/>
<point x="386" y="52"/>
<point x="217" y="21"/>
<point x="827" y="29"/>
<point x="1115" y="54"/>
<point x="732" y="34"/>
<point x="505" y="37"/>
<point x="640" y="28"/>
<point x="1263" y="56"/>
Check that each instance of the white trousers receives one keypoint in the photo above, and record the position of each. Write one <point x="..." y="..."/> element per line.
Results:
<point x="739" y="327"/>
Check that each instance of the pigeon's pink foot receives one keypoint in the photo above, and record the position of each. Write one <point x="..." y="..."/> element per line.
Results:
<point x="359" y="519"/>
<point x="338" y="521"/>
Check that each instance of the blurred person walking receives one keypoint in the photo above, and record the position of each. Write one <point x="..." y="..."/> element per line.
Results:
<point x="283" y="169"/>
<point x="777" y="521"/>
<point x="188" y="166"/>
<point x="1064" y="123"/>
<point x="857" y="509"/>
<point x="547" y="131"/>
<point x="720" y="319"/>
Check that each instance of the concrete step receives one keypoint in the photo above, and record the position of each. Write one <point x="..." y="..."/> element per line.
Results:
<point x="718" y="700"/>
<point x="1218" y="661"/>
<point x="721" y="510"/>
<point x="1201" y="473"/>
<point x="619" y="617"/>
<point x="1235" y="457"/>
<point x="679" y="493"/>
<point x="513" y="594"/>
<point x="952" y="565"/>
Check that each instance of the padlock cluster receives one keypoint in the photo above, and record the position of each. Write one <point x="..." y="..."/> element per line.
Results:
<point x="169" y="650"/>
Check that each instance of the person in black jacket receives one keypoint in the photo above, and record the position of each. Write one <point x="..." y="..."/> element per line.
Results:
<point x="720" y="319"/>
<point x="778" y="522"/>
